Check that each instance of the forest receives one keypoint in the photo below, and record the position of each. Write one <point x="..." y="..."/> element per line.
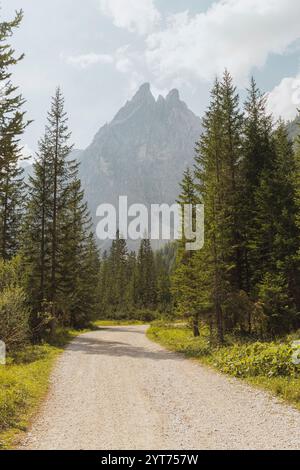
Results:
<point x="245" y="280"/>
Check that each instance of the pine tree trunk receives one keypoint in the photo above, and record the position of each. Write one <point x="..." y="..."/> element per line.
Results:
<point x="4" y="228"/>
<point x="219" y="315"/>
<point x="43" y="245"/>
<point x="54" y="226"/>
<point x="250" y="323"/>
<point x="211" y="330"/>
<point x="196" y="327"/>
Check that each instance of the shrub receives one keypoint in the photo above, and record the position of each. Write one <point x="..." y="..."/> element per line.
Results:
<point x="14" y="315"/>
<point x="257" y="359"/>
<point x="145" y="315"/>
<point x="276" y="304"/>
<point x="238" y="311"/>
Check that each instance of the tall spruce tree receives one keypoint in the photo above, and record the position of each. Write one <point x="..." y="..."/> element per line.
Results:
<point x="218" y="180"/>
<point x="12" y="126"/>
<point x="209" y="170"/>
<point x="63" y="171"/>
<point x="162" y="269"/>
<point x="257" y="158"/>
<point x="61" y="257"/>
<point x="104" y="286"/>
<point x="36" y="241"/>
<point x="116" y="280"/>
<point x="185" y="280"/>
<point x="232" y="122"/>
<point x="78" y="260"/>
<point x="146" y="283"/>
<point x="296" y="185"/>
<point x="276" y="236"/>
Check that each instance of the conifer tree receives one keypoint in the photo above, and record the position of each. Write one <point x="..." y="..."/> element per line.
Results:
<point x="85" y="284"/>
<point x="63" y="170"/>
<point x="296" y="186"/>
<point x="78" y="261"/>
<point x="146" y="284"/>
<point x="164" y="296"/>
<point x="276" y="239"/>
<point x="185" y="279"/>
<point x="231" y="125"/>
<point x="12" y="126"/>
<point x="257" y="158"/>
<point x="116" y="281"/>
<point x="61" y="257"/>
<point x="36" y="241"/>
<point x="131" y="274"/>
<point x="104" y="286"/>
<point x="209" y="173"/>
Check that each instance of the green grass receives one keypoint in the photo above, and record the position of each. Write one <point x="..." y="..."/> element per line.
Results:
<point x="265" y="365"/>
<point x="24" y="383"/>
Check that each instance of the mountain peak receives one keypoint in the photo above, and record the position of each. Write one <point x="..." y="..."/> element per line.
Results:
<point x="145" y="87"/>
<point x="173" y="96"/>
<point x="142" y="153"/>
<point x="143" y="93"/>
<point x="143" y="98"/>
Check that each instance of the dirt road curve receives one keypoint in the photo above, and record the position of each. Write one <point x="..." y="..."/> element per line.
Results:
<point x="113" y="389"/>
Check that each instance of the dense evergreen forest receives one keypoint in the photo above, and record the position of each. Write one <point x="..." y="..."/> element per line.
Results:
<point x="246" y="172"/>
<point x="246" y="279"/>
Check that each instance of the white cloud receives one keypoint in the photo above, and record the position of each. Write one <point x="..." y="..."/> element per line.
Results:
<point x="128" y="62"/>
<point x="87" y="60"/>
<point x="284" y="99"/>
<point x="139" y="16"/>
<point x="233" y="34"/>
<point x="27" y="155"/>
<point x="124" y="59"/>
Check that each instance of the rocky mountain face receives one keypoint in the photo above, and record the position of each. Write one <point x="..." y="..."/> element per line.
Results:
<point x="142" y="153"/>
<point x="294" y="128"/>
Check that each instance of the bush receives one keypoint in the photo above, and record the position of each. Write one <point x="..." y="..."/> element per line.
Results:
<point x="257" y="359"/>
<point x="13" y="318"/>
<point x="14" y="315"/>
<point x="238" y="311"/>
<point x="276" y="305"/>
<point x="145" y="315"/>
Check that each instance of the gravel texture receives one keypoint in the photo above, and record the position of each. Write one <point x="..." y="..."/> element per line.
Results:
<point x="113" y="389"/>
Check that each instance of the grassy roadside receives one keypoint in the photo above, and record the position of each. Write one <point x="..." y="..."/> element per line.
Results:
<point x="24" y="383"/>
<point x="265" y="365"/>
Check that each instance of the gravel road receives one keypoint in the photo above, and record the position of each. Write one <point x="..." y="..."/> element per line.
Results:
<point x="113" y="389"/>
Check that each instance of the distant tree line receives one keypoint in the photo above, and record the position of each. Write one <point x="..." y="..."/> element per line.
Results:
<point x="135" y="285"/>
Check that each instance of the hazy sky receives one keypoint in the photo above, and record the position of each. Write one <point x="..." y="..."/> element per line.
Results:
<point x="101" y="51"/>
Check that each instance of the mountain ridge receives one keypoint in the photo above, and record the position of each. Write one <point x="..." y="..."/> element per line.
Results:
<point x="142" y="153"/>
